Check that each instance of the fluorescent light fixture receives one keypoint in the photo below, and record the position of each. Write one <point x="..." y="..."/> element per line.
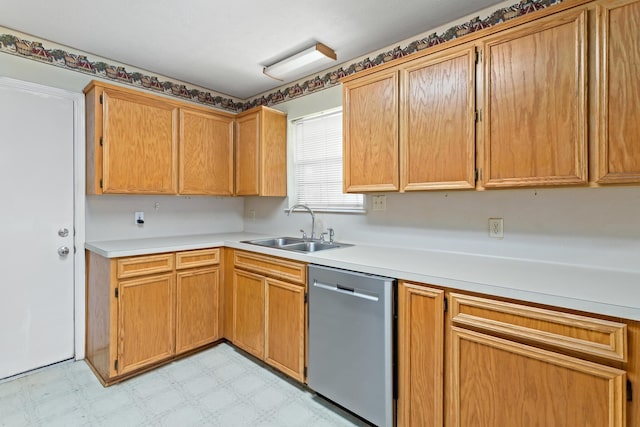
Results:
<point x="298" y="61"/>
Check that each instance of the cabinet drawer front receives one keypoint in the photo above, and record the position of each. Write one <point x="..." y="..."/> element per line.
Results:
<point x="199" y="258"/>
<point x="141" y="265"/>
<point x="596" y="337"/>
<point x="291" y="271"/>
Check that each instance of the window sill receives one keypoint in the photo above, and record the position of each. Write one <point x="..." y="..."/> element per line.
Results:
<point x="335" y="211"/>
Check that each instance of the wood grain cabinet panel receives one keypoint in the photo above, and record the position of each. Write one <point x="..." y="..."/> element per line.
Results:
<point x="206" y="153"/>
<point x="437" y="128"/>
<point x="144" y="265"/>
<point x="196" y="308"/>
<point x="370" y="150"/>
<point x="197" y="258"/>
<point x="618" y="76"/>
<point x="502" y="383"/>
<point x="284" y="327"/>
<point x="140" y="144"/>
<point x="279" y="268"/>
<point x="534" y="133"/>
<point x="420" y="355"/>
<point x="261" y="153"/>
<point x="248" y="312"/>
<point x="146" y="319"/>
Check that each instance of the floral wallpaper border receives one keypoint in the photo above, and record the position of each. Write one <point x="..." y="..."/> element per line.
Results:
<point x="17" y="45"/>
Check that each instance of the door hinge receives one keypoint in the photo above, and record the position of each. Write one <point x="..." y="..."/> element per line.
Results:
<point x="629" y="391"/>
<point x="446" y="304"/>
<point x="115" y="364"/>
<point x="117" y="293"/>
<point x="478" y="116"/>
<point x="100" y="98"/>
<point x="306" y="297"/>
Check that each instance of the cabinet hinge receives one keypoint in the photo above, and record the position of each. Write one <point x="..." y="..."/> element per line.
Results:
<point x="446" y="304"/>
<point x="478" y="174"/>
<point x="478" y="116"/>
<point x="117" y="293"/>
<point x="100" y="182"/>
<point x="100" y="98"/>
<point x="629" y="391"/>
<point x="478" y="56"/>
<point x="115" y="364"/>
<point x="305" y="372"/>
<point x="306" y="297"/>
<point x="100" y="141"/>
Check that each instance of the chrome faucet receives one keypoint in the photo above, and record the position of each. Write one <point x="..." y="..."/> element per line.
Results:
<point x="313" y="217"/>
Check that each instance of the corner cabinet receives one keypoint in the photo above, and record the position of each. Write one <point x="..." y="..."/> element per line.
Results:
<point x="269" y="310"/>
<point x="618" y="35"/>
<point x="140" y="143"/>
<point x="146" y="310"/>
<point x="261" y="153"/>
<point x="536" y="134"/>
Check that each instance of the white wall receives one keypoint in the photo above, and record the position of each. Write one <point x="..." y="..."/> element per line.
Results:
<point x="593" y="226"/>
<point x="111" y="217"/>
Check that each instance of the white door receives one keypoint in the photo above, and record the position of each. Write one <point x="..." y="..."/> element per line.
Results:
<point x="37" y="194"/>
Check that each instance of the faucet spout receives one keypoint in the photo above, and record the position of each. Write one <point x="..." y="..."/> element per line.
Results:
<point x="313" y="217"/>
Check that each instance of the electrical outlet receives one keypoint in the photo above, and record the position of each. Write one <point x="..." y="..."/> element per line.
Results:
<point x="496" y="228"/>
<point x="379" y="203"/>
<point x="138" y="218"/>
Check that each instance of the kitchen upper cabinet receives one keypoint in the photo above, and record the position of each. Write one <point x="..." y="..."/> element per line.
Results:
<point x="206" y="153"/>
<point x="132" y="142"/>
<point x="535" y="103"/>
<point x="370" y="155"/>
<point x="437" y="127"/>
<point x="618" y="35"/>
<point x="261" y="153"/>
<point x="420" y="355"/>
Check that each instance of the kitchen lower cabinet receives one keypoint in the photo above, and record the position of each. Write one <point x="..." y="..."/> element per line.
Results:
<point x="269" y="310"/>
<point x="513" y="364"/>
<point x="284" y="343"/>
<point x="420" y="355"/>
<point x="248" y="312"/>
<point x="146" y="310"/>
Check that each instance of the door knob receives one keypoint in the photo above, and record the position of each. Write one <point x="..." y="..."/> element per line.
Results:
<point x="63" y="232"/>
<point x="63" y="251"/>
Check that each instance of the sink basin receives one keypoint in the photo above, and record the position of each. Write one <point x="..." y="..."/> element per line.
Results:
<point x="296" y="244"/>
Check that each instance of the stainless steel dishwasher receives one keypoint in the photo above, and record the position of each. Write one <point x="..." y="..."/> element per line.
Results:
<point x="351" y="341"/>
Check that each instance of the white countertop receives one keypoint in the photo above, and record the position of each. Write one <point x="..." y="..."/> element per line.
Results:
<point x="595" y="290"/>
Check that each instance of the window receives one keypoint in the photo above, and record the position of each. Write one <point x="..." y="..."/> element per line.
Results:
<point x="318" y="164"/>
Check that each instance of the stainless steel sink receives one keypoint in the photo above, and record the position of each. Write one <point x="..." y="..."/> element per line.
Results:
<point x="296" y="244"/>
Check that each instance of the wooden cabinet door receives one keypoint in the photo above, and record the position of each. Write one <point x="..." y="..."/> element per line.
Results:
<point x="535" y="95"/>
<point x="420" y="355"/>
<point x="273" y="153"/>
<point x="284" y="327"/>
<point x="206" y="154"/>
<point x="437" y="113"/>
<point x="146" y="321"/>
<point x="196" y="308"/>
<point x="140" y="144"/>
<point x="502" y="383"/>
<point x="248" y="155"/>
<point x="371" y="133"/>
<point x="618" y="37"/>
<point x="248" y="312"/>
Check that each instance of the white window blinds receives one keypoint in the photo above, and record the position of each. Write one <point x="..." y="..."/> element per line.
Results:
<point x="318" y="164"/>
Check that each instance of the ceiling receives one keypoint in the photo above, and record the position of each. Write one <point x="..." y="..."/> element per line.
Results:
<point x="223" y="46"/>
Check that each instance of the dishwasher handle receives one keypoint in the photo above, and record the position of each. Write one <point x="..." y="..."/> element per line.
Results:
<point x="345" y="290"/>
